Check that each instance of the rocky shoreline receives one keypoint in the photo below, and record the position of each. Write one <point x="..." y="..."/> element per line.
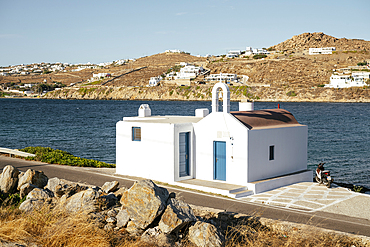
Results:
<point x="203" y="93"/>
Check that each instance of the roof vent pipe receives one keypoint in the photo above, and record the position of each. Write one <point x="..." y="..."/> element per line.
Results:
<point x="225" y="95"/>
<point x="144" y="111"/>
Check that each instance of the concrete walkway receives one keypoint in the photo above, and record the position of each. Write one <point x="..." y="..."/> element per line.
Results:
<point x="312" y="197"/>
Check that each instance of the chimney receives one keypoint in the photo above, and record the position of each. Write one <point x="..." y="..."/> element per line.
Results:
<point x="246" y="106"/>
<point x="144" y="111"/>
<point x="201" y="112"/>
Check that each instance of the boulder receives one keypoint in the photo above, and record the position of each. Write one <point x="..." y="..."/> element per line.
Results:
<point x="144" y="201"/>
<point x="39" y="194"/>
<point x="25" y="189"/>
<point x="53" y="182"/>
<point x="156" y="236"/>
<point x="122" y="218"/>
<point x="9" y="179"/>
<point x="68" y="189"/>
<point x="84" y="201"/>
<point x="176" y="216"/>
<point x="110" y="186"/>
<point x="37" y="178"/>
<point x="205" y="235"/>
<point x="31" y="204"/>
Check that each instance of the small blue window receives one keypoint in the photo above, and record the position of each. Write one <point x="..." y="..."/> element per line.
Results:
<point x="136" y="133"/>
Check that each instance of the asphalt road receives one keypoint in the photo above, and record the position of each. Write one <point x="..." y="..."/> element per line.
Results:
<point x="96" y="177"/>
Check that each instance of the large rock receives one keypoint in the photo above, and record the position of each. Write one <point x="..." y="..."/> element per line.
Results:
<point x="205" y="235"/>
<point x="9" y="179"/>
<point x="31" y="204"/>
<point x="122" y="218"/>
<point x="40" y="194"/>
<point x="37" y="178"/>
<point x="84" y="201"/>
<point x="110" y="186"/>
<point x="25" y="189"/>
<point x="68" y="189"/>
<point x="144" y="201"/>
<point x="53" y="183"/>
<point x="177" y="215"/>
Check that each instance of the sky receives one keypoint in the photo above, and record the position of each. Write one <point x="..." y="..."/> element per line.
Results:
<point x="81" y="31"/>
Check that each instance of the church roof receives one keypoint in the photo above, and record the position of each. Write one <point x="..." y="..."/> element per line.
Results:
<point x="265" y="118"/>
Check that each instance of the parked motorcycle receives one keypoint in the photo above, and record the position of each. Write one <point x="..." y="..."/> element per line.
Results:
<point x="323" y="176"/>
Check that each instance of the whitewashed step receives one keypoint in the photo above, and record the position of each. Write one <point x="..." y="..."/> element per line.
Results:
<point x="241" y="194"/>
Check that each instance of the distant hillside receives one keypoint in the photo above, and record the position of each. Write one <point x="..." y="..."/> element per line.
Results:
<point x="310" y="40"/>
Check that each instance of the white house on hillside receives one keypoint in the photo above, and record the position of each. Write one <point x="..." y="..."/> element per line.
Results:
<point x="357" y="79"/>
<point x="323" y="50"/>
<point x="255" y="51"/>
<point x="154" y="81"/>
<point x="253" y="150"/>
<point x="189" y="72"/>
<point x="222" y="77"/>
<point x="232" y="54"/>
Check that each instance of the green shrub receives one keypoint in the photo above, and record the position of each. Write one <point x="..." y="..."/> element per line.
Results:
<point x="46" y="71"/>
<point x="321" y="85"/>
<point x="291" y="94"/>
<point x="259" y="56"/>
<point x="362" y="64"/>
<point x="56" y="156"/>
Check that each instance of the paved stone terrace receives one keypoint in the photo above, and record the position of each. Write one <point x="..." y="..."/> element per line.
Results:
<point x="313" y="197"/>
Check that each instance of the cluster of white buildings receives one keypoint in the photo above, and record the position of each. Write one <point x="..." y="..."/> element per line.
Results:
<point x="233" y="53"/>
<point x="255" y="51"/>
<point x="32" y="68"/>
<point x="187" y="72"/>
<point x="248" y="51"/>
<point x="356" y="79"/>
<point x="222" y="77"/>
<point x="174" y="51"/>
<point x="322" y="50"/>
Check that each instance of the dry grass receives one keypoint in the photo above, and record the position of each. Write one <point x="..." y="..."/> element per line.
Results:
<point x="245" y="236"/>
<point x="52" y="228"/>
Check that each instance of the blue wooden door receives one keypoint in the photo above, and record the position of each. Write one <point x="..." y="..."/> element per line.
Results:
<point x="219" y="160"/>
<point x="184" y="151"/>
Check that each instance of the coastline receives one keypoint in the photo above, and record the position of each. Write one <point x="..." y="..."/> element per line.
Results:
<point x="197" y="93"/>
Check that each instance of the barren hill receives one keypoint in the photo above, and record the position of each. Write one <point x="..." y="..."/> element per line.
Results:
<point x="311" y="40"/>
<point x="287" y="74"/>
<point x="154" y="65"/>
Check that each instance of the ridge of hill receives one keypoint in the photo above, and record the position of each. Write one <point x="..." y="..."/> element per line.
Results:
<point x="319" y="39"/>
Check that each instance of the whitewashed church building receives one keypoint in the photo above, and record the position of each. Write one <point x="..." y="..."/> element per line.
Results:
<point x="253" y="150"/>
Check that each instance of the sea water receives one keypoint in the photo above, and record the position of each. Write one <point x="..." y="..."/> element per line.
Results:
<point x="338" y="133"/>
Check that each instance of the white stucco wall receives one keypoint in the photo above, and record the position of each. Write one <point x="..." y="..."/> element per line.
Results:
<point x="156" y="156"/>
<point x="247" y="150"/>
<point x="152" y="157"/>
<point x="290" y="152"/>
<point x="219" y="126"/>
